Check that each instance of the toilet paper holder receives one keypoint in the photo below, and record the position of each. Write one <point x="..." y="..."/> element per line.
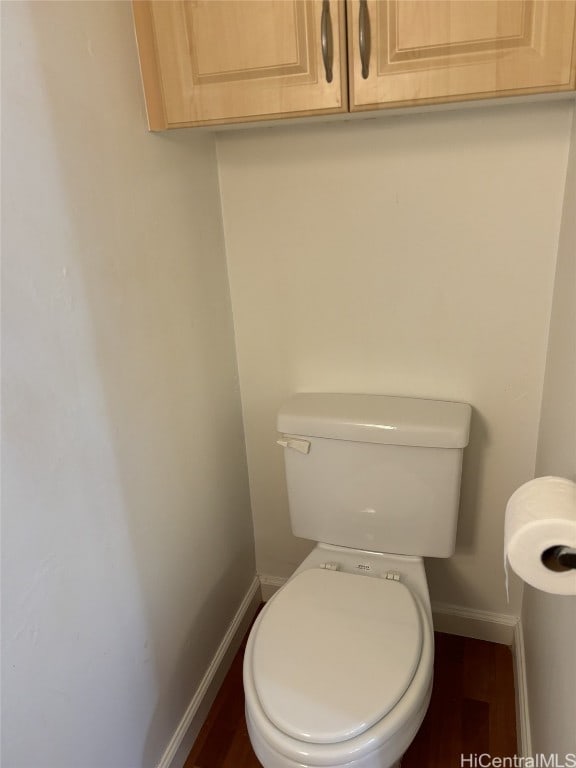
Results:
<point x="559" y="558"/>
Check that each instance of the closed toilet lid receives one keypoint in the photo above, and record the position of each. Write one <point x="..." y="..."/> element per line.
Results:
<point x="334" y="652"/>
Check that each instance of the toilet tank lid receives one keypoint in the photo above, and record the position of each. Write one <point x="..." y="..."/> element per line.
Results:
<point x="377" y="419"/>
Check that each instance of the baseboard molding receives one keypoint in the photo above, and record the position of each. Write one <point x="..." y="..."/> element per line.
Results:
<point x="521" y="689"/>
<point x="270" y="585"/>
<point x="185" y="734"/>
<point x="468" y="622"/>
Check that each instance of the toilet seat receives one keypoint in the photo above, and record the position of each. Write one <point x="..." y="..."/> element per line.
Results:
<point x="390" y="736"/>
<point x="334" y="653"/>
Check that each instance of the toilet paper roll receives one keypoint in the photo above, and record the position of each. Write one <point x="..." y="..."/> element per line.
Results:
<point x="539" y="515"/>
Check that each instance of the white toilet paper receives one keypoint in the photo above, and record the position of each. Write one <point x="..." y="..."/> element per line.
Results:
<point x="539" y="515"/>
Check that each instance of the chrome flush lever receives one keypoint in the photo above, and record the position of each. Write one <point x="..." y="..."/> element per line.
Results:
<point x="302" y="446"/>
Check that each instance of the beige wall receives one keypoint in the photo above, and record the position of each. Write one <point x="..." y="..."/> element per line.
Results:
<point x="408" y="255"/>
<point x="127" y="542"/>
<point x="549" y="621"/>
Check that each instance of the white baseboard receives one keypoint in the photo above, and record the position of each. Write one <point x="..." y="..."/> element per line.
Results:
<point x="521" y="689"/>
<point x="185" y="734"/>
<point x="468" y="622"/>
<point x="270" y="585"/>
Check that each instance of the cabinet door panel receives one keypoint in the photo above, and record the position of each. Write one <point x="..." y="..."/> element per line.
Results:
<point x="426" y="51"/>
<point x="220" y="61"/>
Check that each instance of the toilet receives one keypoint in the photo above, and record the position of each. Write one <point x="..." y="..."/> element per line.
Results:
<point x="338" y="665"/>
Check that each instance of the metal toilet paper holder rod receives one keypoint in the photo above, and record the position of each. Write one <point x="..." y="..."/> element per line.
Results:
<point x="559" y="558"/>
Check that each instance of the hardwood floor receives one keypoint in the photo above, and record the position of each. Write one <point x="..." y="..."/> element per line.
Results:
<point x="223" y="741"/>
<point x="471" y="711"/>
<point x="472" y="708"/>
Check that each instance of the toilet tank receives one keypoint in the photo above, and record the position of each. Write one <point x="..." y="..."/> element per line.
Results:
<point x="374" y="472"/>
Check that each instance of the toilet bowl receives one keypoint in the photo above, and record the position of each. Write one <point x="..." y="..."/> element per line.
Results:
<point x="338" y="666"/>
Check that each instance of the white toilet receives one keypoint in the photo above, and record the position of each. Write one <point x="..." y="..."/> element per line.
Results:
<point x="338" y="666"/>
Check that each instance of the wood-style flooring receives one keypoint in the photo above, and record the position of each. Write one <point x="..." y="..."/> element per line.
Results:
<point x="471" y="711"/>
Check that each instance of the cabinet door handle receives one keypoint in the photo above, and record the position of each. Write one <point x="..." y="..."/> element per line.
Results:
<point x="364" y="37"/>
<point x="326" y="39"/>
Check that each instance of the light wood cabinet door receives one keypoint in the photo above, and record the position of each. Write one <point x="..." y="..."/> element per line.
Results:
<point x="428" y="51"/>
<point x="224" y="61"/>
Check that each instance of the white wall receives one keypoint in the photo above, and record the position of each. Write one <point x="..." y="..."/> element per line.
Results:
<point x="549" y="621"/>
<point x="127" y="543"/>
<point x="405" y="255"/>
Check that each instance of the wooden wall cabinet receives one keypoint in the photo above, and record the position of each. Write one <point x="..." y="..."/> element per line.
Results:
<point x="433" y="51"/>
<point x="223" y="61"/>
